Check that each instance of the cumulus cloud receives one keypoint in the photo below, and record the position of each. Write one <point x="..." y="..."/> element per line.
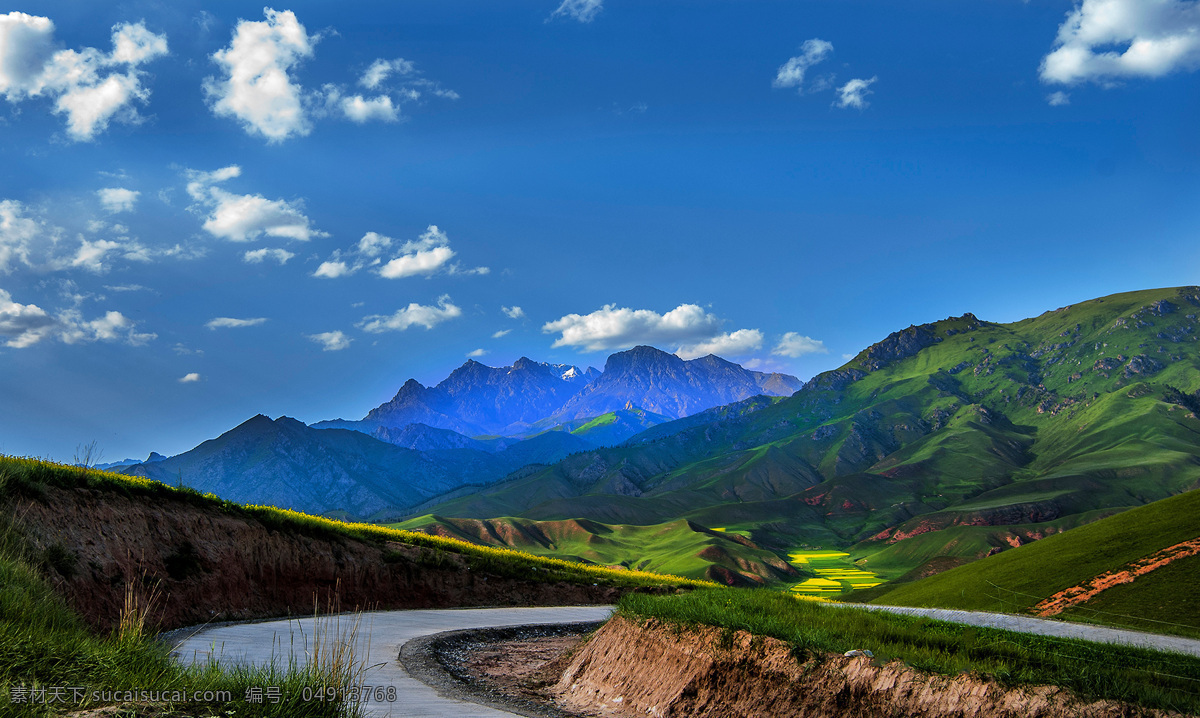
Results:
<point x="502" y="332"/>
<point x="612" y="327"/>
<point x="477" y="353"/>
<point x="791" y="73"/>
<point x="117" y="199"/>
<point x="413" y="314"/>
<point x="1058" y="99"/>
<point x="796" y="345"/>
<point x="112" y="327"/>
<point x="20" y="236"/>
<point x="27" y="240"/>
<point x="854" y="94"/>
<point x="90" y="87"/>
<point x="189" y="378"/>
<point x="424" y="261"/>
<point x="258" y="256"/>
<point x="256" y="88"/>
<point x="23" y="325"/>
<point x="738" y="343"/>
<point x="513" y="312"/>
<point x="360" y="110"/>
<point x="427" y="255"/>
<point x="331" y="341"/>
<point x="232" y="323"/>
<point x="1107" y="40"/>
<point x="581" y="10"/>
<point x="244" y="217"/>
<point x="381" y="69"/>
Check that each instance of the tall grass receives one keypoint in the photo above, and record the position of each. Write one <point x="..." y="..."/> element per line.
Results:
<point x="1095" y="671"/>
<point x="45" y="646"/>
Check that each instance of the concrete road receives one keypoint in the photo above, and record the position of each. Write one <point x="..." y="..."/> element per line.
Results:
<point x="377" y="645"/>
<point x="1046" y="627"/>
<point x="380" y="635"/>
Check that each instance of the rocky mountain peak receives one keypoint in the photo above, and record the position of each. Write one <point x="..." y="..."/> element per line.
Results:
<point x="641" y="358"/>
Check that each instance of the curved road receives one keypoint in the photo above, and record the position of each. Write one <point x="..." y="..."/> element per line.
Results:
<point x="380" y="635"/>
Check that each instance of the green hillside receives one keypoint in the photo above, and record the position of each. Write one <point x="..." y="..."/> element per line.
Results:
<point x="1164" y="600"/>
<point x="680" y="548"/>
<point x="939" y="445"/>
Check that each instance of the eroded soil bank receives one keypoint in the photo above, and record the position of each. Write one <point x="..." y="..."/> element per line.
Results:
<point x="200" y="565"/>
<point x="654" y="669"/>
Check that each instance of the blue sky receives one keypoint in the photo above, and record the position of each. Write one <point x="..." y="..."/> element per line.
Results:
<point x="212" y="210"/>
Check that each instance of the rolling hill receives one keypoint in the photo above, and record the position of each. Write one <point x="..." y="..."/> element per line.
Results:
<point x="941" y="444"/>
<point x="1139" y="568"/>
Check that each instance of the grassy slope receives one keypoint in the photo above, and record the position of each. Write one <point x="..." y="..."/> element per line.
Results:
<point x="679" y="548"/>
<point x="44" y="643"/>
<point x="993" y="433"/>
<point x="1015" y="580"/>
<point x="1091" y="670"/>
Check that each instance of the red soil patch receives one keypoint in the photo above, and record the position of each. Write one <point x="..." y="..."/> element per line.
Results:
<point x="1075" y="595"/>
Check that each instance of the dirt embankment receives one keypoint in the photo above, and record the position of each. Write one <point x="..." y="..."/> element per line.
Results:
<point x="208" y="565"/>
<point x="653" y="669"/>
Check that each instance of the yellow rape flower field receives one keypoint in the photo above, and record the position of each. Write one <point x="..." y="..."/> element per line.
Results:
<point x="834" y="573"/>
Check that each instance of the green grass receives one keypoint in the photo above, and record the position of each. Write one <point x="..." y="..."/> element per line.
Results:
<point x="45" y="645"/>
<point x="1020" y="578"/>
<point x="31" y="478"/>
<point x="1166" y="600"/>
<point x="1093" y="671"/>
<point x="678" y="548"/>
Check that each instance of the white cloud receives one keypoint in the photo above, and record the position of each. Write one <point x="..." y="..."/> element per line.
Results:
<point x="23" y="325"/>
<point x="20" y="236"/>
<point x="854" y="94"/>
<point x="231" y="323"/>
<point x="244" y="217"/>
<point x="477" y="353"/>
<point x="425" y="261"/>
<point x="361" y="110"/>
<point x="620" y="328"/>
<point x="91" y="254"/>
<point x="258" y="256"/>
<point x="1058" y="99"/>
<point x="1103" y="40"/>
<point x="413" y="314"/>
<point x="502" y="332"/>
<point x="333" y="269"/>
<point x="427" y="255"/>
<point x="381" y="69"/>
<point x="112" y="327"/>
<point x="791" y="73"/>
<point x="742" y="341"/>
<point x="27" y="240"/>
<point x="256" y="88"/>
<point x="796" y="345"/>
<point x="117" y="199"/>
<point x="84" y="84"/>
<point x="189" y="378"/>
<point x="513" y="312"/>
<point x="581" y="10"/>
<point x="331" y="341"/>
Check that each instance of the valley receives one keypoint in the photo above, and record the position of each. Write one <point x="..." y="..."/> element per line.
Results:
<point x="940" y="445"/>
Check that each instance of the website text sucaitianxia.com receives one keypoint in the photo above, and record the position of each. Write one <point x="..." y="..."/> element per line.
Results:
<point x="49" y="695"/>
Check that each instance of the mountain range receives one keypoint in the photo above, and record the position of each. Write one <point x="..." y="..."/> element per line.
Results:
<point x="505" y="401"/>
<point x="940" y="444"/>
<point x="476" y="427"/>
